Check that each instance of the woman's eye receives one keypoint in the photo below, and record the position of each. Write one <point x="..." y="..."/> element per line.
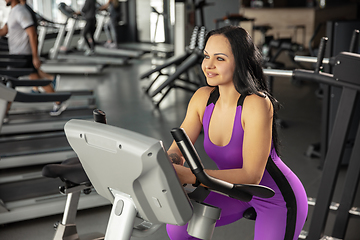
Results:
<point x="220" y="59"/>
<point x="206" y="56"/>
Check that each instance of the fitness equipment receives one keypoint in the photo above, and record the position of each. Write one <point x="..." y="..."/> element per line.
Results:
<point x="175" y="80"/>
<point x="79" y="99"/>
<point x="4" y="44"/>
<point x="75" y="181"/>
<point x="137" y="159"/>
<point x="7" y="61"/>
<point x="119" y="52"/>
<point x="345" y="75"/>
<point x="24" y="193"/>
<point x="149" y="187"/>
<point x="330" y="95"/>
<point x="173" y="61"/>
<point x="21" y="123"/>
<point x="51" y="66"/>
<point x="62" y="65"/>
<point x="270" y="60"/>
<point x="30" y="141"/>
<point x="55" y="51"/>
<point x="16" y="61"/>
<point x="9" y="94"/>
<point x="20" y="200"/>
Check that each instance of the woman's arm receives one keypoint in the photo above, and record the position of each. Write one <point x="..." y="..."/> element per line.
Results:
<point x="192" y="125"/>
<point x="257" y="115"/>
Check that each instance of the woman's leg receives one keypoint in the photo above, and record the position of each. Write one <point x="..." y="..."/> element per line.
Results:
<point x="86" y="31"/>
<point x="279" y="222"/>
<point x="178" y="232"/>
<point x="231" y="211"/>
<point x="107" y="31"/>
<point x="270" y="223"/>
<point x="92" y="32"/>
<point x="112" y="26"/>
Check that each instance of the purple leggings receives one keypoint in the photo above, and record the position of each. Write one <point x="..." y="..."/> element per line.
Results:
<point x="272" y="221"/>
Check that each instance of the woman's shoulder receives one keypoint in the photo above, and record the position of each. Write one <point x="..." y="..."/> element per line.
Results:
<point x="202" y="94"/>
<point x="200" y="98"/>
<point x="204" y="91"/>
<point x="255" y="102"/>
<point x="256" y="99"/>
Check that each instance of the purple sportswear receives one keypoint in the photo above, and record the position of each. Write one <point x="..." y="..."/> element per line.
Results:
<point x="280" y="217"/>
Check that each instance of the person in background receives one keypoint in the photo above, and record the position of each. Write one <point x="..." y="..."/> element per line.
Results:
<point x="56" y="79"/>
<point x="113" y="7"/>
<point x="89" y="13"/>
<point x="237" y="115"/>
<point x="22" y="40"/>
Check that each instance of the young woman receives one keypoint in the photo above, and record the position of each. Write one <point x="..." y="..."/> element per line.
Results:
<point x="237" y="114"/>
<point x="89" y="12"/>
<point x="113" y="6"/>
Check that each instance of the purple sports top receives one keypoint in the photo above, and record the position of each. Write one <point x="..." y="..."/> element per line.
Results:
<point x="289" y="195"/>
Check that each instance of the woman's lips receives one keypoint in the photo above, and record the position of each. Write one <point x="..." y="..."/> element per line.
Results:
<point x="210" y="74"/>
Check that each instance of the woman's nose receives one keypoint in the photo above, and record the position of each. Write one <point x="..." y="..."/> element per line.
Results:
<point x="209" y="64"/>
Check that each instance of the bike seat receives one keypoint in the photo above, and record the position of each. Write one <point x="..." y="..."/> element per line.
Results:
<point x="69" y="171"/>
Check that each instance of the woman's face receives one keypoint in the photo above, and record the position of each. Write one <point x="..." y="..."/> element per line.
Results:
<point x="219" y="62"/>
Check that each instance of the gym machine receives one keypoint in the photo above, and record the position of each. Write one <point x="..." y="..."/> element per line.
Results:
<point x="55" y="52"/>
<point x="345" y="75"/>
<point x="24" y="193"/>
<point x="175" y="80"/>
<point x="62" y="65"/>
<point x="340" y="39"/>
<point x="76" y="186"/>
<point x="149" y="188"/>
<point x="80" y="99"/>
<point x="23" y="122"/>
<point x="162" y="69"/>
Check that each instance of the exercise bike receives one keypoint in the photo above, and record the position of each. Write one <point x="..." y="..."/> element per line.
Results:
<point x="148" y="188"/>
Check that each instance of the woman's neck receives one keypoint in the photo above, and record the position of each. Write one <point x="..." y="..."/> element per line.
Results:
<point x="228" y="95"/>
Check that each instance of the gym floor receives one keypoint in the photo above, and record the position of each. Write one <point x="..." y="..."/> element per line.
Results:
<point x="120" y="94"/>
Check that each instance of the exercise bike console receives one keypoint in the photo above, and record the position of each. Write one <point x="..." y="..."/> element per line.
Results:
<point x="134" y="173"/>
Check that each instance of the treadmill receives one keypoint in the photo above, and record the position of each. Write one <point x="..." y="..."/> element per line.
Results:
<point x="80" y="99"/>
<point x="131" y="53"/>
<point x="24" y="193"/>
<point x="62" y="66"/>
<point x="71" y="21"/>
<point x="31" y="122"/>
<point x="83" y="99"/>
<point x="25" y="149"/>
<point x="131" y="49"/>
<point x="158" y="48"/>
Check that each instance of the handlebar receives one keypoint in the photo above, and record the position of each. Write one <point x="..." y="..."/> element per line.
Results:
<point x="44" y="97"/>
<point x="33" y="97"/>
<point x="321" y="54"/>
<point x="243" y="192"/>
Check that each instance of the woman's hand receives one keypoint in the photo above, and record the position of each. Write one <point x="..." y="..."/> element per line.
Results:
<point x="184" y="174"/>
<point x="176" y="159"/>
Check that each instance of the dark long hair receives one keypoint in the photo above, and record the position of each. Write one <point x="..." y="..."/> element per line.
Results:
<point x="248" y="76"/>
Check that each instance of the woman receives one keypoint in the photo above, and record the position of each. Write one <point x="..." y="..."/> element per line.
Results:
<point x="89" y="12"/>
<point x="237" y="114"/>
<point x="113" y="6"/>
